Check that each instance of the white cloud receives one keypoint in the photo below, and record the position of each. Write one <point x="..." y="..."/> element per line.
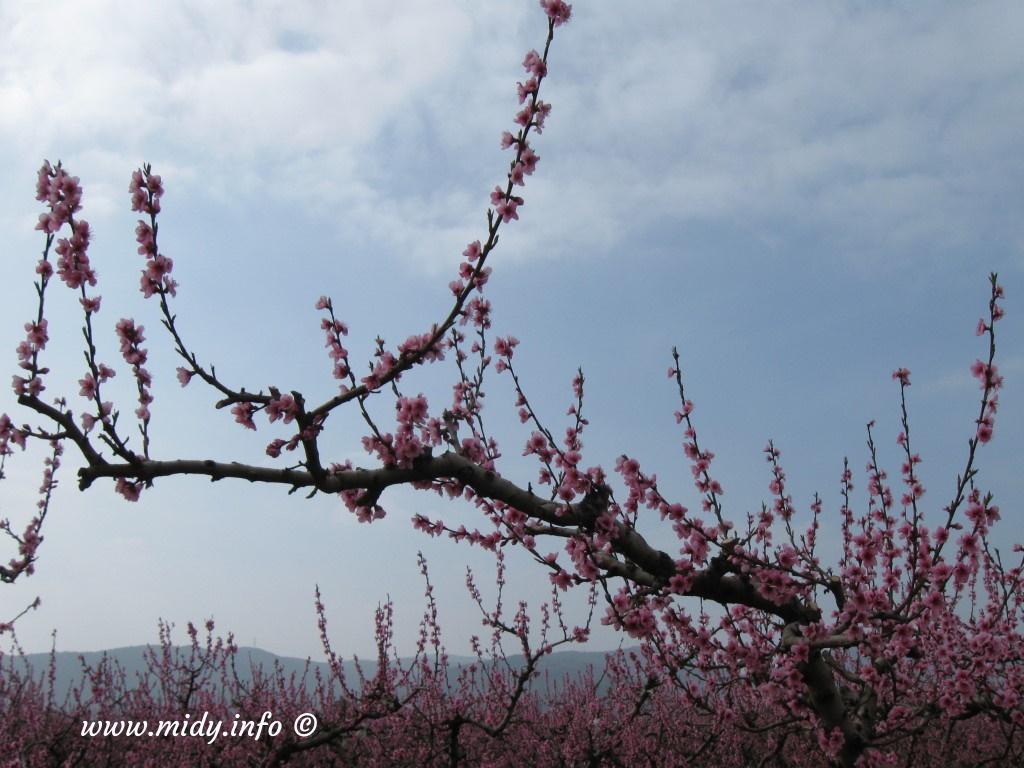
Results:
<point x="888" y="131"/>
<point x="888" y="128"/>
<point x="218" y="85"/>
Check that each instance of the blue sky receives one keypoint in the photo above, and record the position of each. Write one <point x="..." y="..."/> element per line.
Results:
<point x="801" y="197"/>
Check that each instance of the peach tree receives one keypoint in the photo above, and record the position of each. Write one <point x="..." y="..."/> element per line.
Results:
<point x="906" y="648"/>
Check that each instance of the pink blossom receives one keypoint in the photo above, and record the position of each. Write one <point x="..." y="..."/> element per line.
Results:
<point x="49" y="223"/>
<point x="73" y="265"/>
<point x="506" y="209"/>
<point x="557" y="10"/>
<point x="902" y="375"/>
<point x="243" y="414"/>
<point x="561" y="579"/>
<point x="526" y="89"/>
<point x="986" y="374"/>
<point x="131" y="337"/>
<point x="534" y="64"/>
<point x="472" y="252"/>
<point x="524" y="117"/>
<point x="284" y="407"/>
<point x="23" y="386"/>
<point x="412" y="410"/>
<point x="9" y="434"/>
<point x="36" y="334"/>
<point x="504" y="347"/>
<point x="541" y="110"/>
<point x="43" y="185"/>
<point x="145" y="189"/>
<point x="91" y="305"/>
<point x="934" y="603"/>
<point x="482" y="276"/>
<point x="128" y="489"/>
<point x="529" y="159"/>
<point x="538" y="444"/>
<point x="479" y="312"/>
<point x="88" y="387"/>
<point x="941" y="571"/>
<point x="473" y="450"/>
<point x="787" y="557"/>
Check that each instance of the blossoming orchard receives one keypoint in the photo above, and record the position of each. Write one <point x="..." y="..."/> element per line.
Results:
<point x="749" y="647"/>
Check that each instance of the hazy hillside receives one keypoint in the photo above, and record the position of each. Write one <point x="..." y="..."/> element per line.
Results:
<point x="554" y="669"/>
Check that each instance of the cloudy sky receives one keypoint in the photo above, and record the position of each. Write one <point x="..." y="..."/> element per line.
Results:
<point x="802" y="197"/>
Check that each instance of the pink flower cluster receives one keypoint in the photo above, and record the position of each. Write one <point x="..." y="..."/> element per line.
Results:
<point x="915" y="490"/>
<point x="89" y="384"/>
<point x="146" y="188"/>
<point x="334" y="329"/>
<point x="986" y="373"/>
<point x="9" y="435"/>
<point x="365" y="513"/>
<point x="286" y="408"/>
<point x="243" y="413"/>
<point x="128" y="489"/>
<point x="783" y="504"/>
<point x="412" y="413"/>
<point x="131" y="338"/>
<point x="701" y="463"/>
<point x="73" y="265"/>
<point x="990" y="380"/>
<point x="36" y="336"/>
<point x="384" y="365"/>
<point x="531" y="116"/>
<point x="62" y="194"/>
<point x="30" y="538"/>
<point x="504" y="349"/>
<point x="89" y="421"/>
<point x="557" y="10"/>
<point x="634" y="616"/>
<point x="59" y="190"/>
<point x="476" y="277"/>
<point x="422" y="346"/>
<point x="282" y="407"/>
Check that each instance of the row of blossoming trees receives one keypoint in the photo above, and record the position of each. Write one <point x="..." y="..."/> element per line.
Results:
<point x="751" y="649"/>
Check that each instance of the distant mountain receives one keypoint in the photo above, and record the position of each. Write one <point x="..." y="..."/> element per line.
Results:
<point x="554" y="669"/>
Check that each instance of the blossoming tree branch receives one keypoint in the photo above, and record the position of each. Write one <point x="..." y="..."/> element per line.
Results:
<point x="910" y="641"/>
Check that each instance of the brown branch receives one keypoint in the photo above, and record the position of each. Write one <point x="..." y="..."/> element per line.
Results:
<point x="65" y="419"/>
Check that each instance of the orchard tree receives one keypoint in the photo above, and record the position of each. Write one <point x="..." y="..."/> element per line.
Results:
<point x="906" y="650"/>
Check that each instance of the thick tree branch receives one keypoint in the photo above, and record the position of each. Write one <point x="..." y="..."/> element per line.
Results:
<point x="642" y="563"/>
